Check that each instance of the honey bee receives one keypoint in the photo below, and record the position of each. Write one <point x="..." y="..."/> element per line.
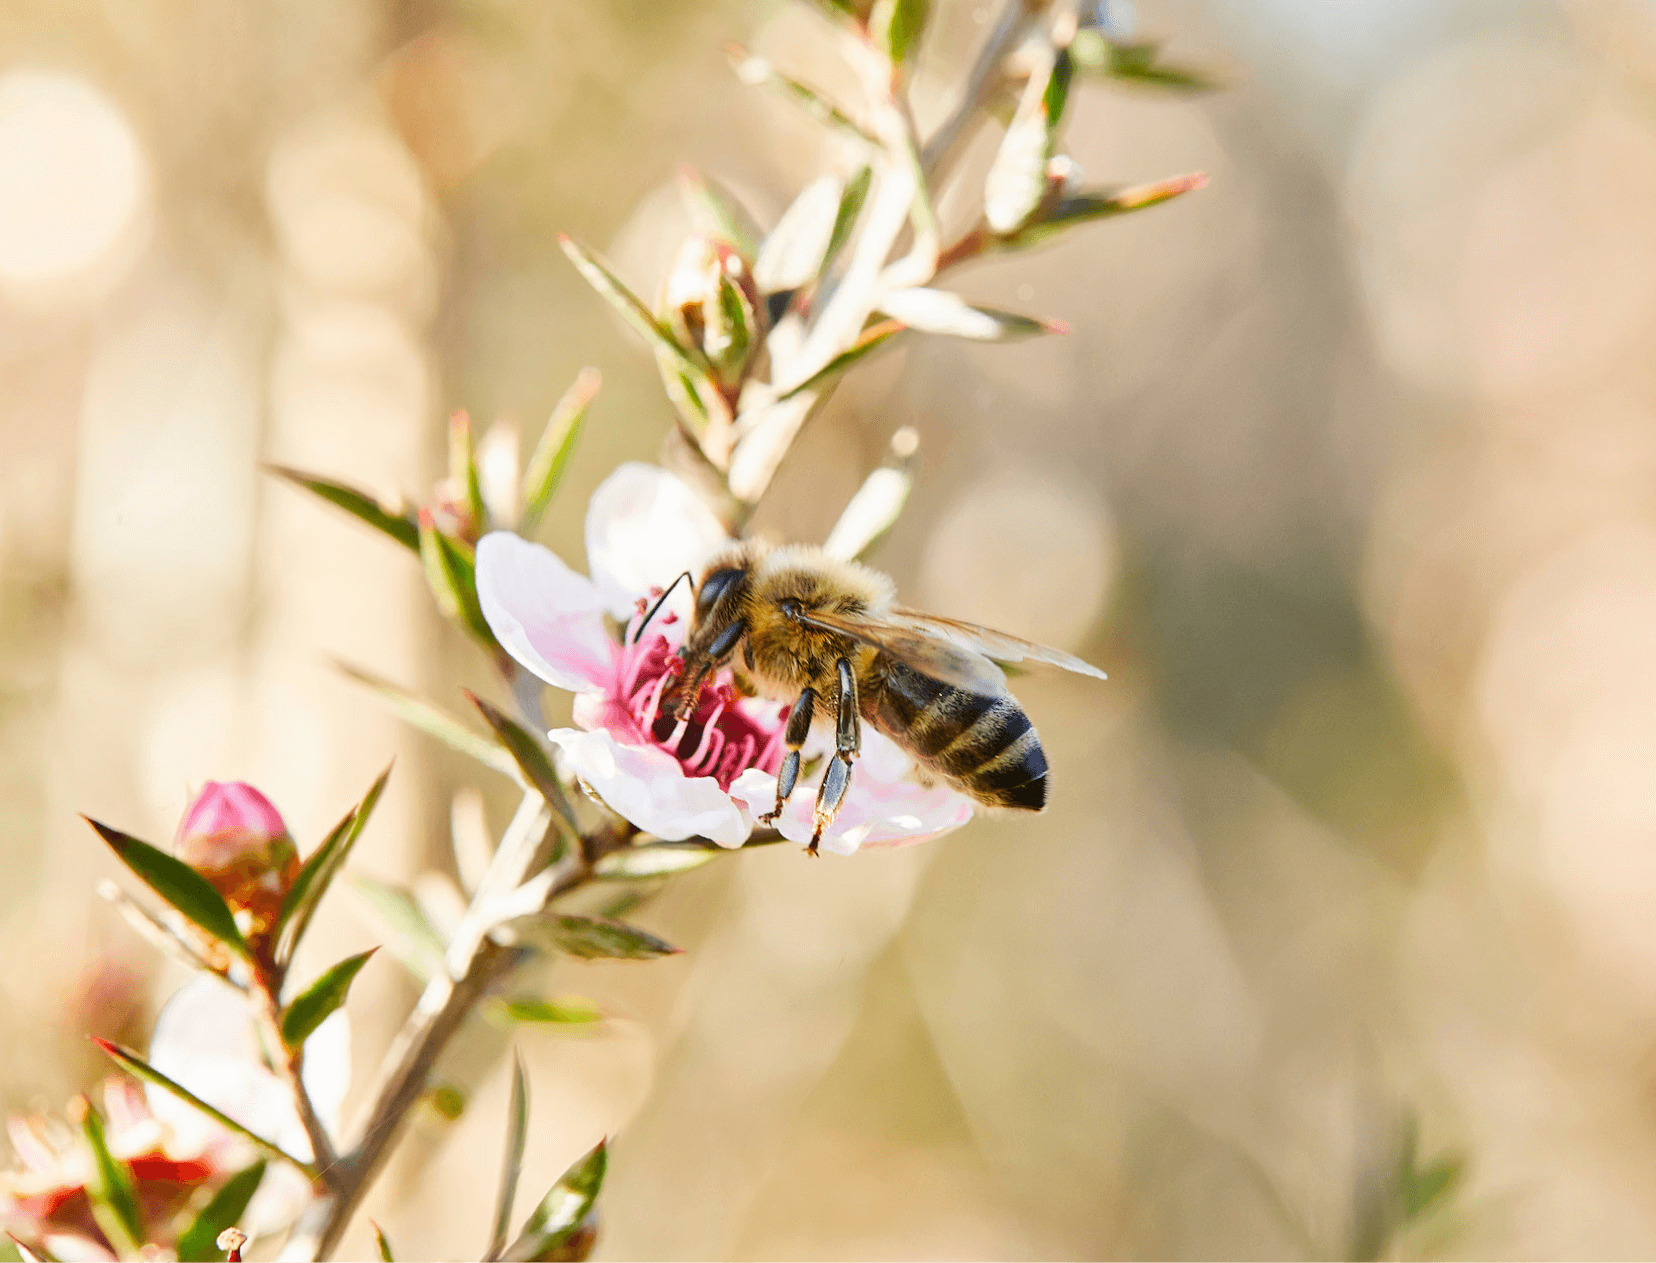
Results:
<point x="806" y="628"/>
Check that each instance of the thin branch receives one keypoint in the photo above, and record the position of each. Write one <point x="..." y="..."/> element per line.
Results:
<point x="1014" y="24"/>
<point x="290" y="1064"/>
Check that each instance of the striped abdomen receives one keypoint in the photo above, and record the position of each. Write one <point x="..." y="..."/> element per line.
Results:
<point x="982" y="743"/>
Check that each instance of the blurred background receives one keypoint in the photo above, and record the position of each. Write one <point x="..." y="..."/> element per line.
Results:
<point x="1346" y="473"/>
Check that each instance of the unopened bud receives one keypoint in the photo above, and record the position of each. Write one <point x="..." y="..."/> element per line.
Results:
<point x="712" y="305"/>
<point x="237" y="840"/>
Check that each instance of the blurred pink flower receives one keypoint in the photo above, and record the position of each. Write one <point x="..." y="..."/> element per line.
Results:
<point x="713" y="775"/>
<point x="43" y="1200"/>
<point x="235" y="838"/>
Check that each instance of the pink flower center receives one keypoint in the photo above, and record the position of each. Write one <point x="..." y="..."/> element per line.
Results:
<point x="724" y="736"/>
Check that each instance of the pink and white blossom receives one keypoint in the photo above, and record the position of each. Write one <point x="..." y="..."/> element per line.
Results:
<point x="713" y="775"/>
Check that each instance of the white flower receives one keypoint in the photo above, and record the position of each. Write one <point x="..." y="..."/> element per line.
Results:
<point x="711" y="776"/>
<point x="205" y="1040"/>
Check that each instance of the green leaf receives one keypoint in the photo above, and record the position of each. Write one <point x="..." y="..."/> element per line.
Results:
<point x="530" y="1010"/>
<point x="198" y="1244"/>
<point x="398" y="524"/>
<point x="410" y="936"/>
<point x="566" y="1204"/>
<point x="382" y="1243"/>
<point x="452" y="574"/>
<point x="177" y="883"/>
<point x="139" y="1068"/>
<point x="589" y="937"/>
<point x="870" y="338"/>
<point x="556" y="447"/>
<point x="636" y="314"/>
<point x="1425" y="1190"/>
<point x="26" y="1254"/>
<point x="432" y="720"/>
<point x="850" y="207"/>
<point x="530" y="756"/>
<point x="463" y="468"/>
<point x="1017" y="180"/>
<point x="111" y="1189"/>
<point x="318" y="872"/>
<point x="870" y="513"/>
<point x="1093" y="204"/>
<point x="938" y="311"/>
<point x="640" y="863"/>
<point x="311" y="1007"/>
<point x="896" y="26"/>
<point x="793" y="254"/>
<point x="759" y="72"/>
<point x="715" y="211"/>
<point x="1097" y="54"/>
<point x="517" y="1131"/>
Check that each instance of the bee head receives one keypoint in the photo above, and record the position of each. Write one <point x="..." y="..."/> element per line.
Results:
<point x="717" y="624"/>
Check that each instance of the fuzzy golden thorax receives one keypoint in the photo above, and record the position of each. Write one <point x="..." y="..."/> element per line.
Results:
<point x="742" y="601"/>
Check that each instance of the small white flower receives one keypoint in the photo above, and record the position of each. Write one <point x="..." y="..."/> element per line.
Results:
<point x="713" y="775"/>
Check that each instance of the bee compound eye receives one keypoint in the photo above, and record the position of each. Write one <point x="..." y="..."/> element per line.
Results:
<point x="713" y="587"/>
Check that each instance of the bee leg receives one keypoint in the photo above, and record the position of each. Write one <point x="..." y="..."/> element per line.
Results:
<point x="793" y="736"/>
<point x="847" y="742"/>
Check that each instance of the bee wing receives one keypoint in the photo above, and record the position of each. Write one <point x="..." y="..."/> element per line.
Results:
<point x="995" y="645"/>
<point x="940" y="657"/>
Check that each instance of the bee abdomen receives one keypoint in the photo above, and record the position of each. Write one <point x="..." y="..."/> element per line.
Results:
<point x="984" y="743"/>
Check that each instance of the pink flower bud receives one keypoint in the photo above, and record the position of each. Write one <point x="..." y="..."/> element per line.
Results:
<point x="237" y="840"/>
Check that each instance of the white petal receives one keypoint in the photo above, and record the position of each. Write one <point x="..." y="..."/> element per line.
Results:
<point x="545" y="615"/>
<point x="883" y="807"/>
<point x="205" y="1040"/>
<point x="649" y="788"/>
<point x="644" y="528"/>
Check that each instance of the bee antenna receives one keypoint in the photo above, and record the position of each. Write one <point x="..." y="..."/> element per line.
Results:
<point x="660" y="601"/>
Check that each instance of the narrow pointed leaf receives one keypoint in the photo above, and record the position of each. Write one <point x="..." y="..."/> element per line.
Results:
<point x="759" y="72"/>
<point x="435" y="722"/>
<point x="319" y="870"/>
<point x="179" y="884"/>
<point x="1017" y="183"/>
<point x="566" y="1204"/>
<point x="452" y="574"/>
<point x="111" y="1189"/>
<point x="1104" y="204"/>
<point x="382" y="1243"/>
<point x="850" y="207"/>
<point x="463" y="468"/>
<point x="896" y="26"/>
<point x="641" y="863"/>
<point x="409" y="934"/>
<point x="590" y="937"/>
<point x="869" y="514"/>
<point x="793" y="253"/>
<point x="715" y="211"/>
<point x="517" y="1132"/>
<point x="152" y="929"/>
<point x="139" y="1068"/>
<point x="938" y="311"/>
<point x="529" y="1010"/>
<point x="312" y="1006"/>
<point x="634" y="312"/>
<point x="1135" y="63"/>
<point x="399" y="525"/>
<point x="870" y="339"/>
<point x="557" y="447"/>
<point x="25" y="1253"/>
<point x="530" y="756"/>
<point x="225" y="1210"/>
